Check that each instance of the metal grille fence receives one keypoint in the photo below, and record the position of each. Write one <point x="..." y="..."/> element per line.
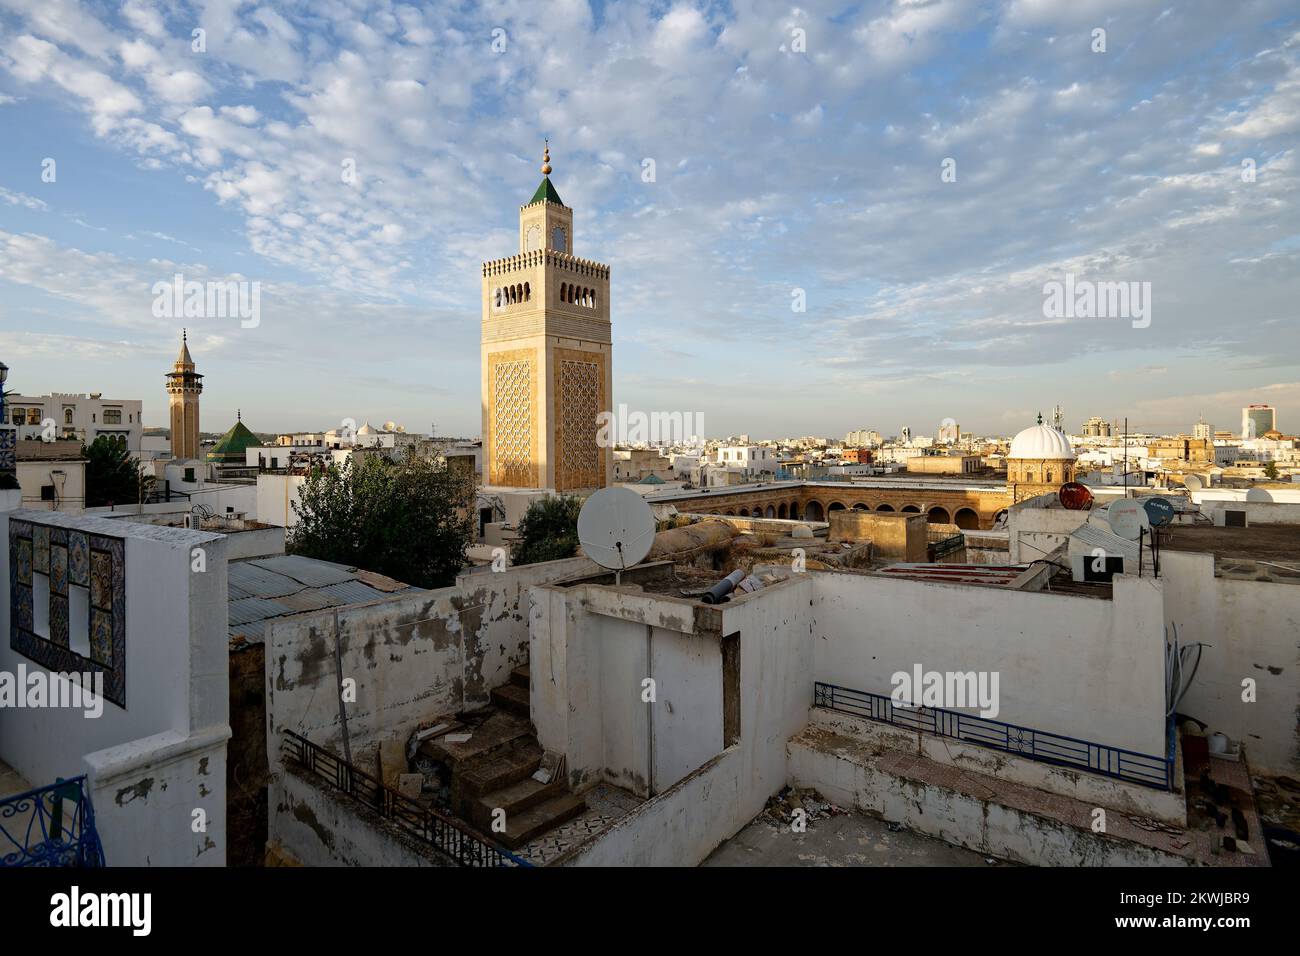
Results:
<point x="440" y="831"/>
<point x="1126" y="765"/>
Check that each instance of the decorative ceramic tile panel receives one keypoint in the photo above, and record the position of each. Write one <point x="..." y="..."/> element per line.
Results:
<point x="78" y="558"/>
<point x="58" y="569"/>
<point x="59" y="619"/>
<point x="70" y="558"/>
<point x="23" y="558"/>
<point x="8" y="449"/>
<point x="101" y="579"/>
<point x="41" y="548"/>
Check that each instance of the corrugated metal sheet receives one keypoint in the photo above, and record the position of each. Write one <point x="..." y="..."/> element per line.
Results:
<point x="353" y="592"/>
<point x="266" y="588"/>
<point x="307" y="571"/>
<point x="259" y="582"/>
<point x="310" y="599"/>
<point x="1089" y="536"/>
<point x="255" y="609"/>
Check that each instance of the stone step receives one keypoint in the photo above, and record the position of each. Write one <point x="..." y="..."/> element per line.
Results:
<point x="520" y="676"/>
<point x="512" y="698"/>
<point x="513" y="799"/>
<point x="497" y="731"/>
<point x="533" y="822"/>
<point x="498" y="769"/>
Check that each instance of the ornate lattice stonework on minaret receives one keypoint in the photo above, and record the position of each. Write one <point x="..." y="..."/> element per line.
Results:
<point x="579" y="393"/>
<point x="513" y="388"/>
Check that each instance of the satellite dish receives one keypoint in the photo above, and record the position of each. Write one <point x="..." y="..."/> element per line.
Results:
<point x="1160" y="511"/>
<point x="1193" y="483"/>
<point x="1128" y="519"/>
<point x="1074" y="496"/>
<point x="616" y="528"/>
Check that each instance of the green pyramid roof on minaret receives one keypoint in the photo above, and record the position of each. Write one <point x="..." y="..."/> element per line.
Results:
<point x="546" y="191"/>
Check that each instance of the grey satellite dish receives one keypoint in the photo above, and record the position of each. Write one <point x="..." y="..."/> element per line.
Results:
<point x="616" y="528"/>
<point x="1128" y="519"/>
<point x="1193" y="483"/>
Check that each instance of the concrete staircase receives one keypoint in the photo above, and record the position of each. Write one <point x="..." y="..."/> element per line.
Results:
<point x="493" y="771"/>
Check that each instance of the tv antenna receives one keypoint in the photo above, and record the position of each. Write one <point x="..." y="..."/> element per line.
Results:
<point x="616" y="529"/>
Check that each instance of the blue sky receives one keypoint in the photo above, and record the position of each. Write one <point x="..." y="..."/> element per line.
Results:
<point x="777" y="168"/>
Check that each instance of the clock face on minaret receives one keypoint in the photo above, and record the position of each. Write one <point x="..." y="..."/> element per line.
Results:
<point x="546" y="356"/>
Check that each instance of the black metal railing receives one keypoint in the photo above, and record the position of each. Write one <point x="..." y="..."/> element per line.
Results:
<point x="945" y="542"/>
<point x="52" y="825"/>
<point x="1126" y="765"/>
<point x="443" y="833"/>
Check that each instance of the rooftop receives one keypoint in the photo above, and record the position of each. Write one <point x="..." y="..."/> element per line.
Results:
<point x="1259" y="542"/>
<point x="262" y="589"/>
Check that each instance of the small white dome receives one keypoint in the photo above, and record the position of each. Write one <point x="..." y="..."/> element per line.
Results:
<point x="1041" y="441"/>
<point x="366" y="429"/>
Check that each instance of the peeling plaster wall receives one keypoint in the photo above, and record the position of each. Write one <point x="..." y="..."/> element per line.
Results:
<point x="685" y="823"/>
<point x="321" y="828"/>
<point x="592" y="648"/>
<point x="963" y="820"/>
<point x="1170" y="806"/>
<point x="152" y="796"/>
<point x="1083" y="667"/>
<point x="413" y="656"/>
<point x="494" y="609"/>
<point x="1253" y="628"/>
<point x="404" y="655"/>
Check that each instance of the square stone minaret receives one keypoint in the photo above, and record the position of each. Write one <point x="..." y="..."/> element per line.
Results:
<point x="546" y="356"/>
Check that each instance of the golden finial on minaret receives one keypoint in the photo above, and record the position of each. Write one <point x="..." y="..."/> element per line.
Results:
<point x="546" y="159"/>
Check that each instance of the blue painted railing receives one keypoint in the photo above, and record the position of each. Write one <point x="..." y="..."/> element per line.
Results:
<point x="1127" y="765"/>
<point x="50" y="826"/>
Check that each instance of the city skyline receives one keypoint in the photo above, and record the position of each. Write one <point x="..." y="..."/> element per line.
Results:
<point x="798" y="158"/>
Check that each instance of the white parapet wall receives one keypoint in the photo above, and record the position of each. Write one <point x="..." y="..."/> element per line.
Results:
<point x="766" y="676"/>
<point x="1085" y="667"/>
<point x="1169" y="806"/>
<point x="983" y="824"/>
<point x="154" y="748"/>
<point x="1248" y="683"/>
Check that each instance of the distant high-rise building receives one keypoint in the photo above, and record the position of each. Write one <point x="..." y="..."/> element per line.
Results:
<point x="1257" y="419"/>
<point x="183" y="388"/>
<point x="949" y="431"/>
<point x="862" y="438"/>
<point x="1203" y="430"/>
<point x="1096" y="428"/>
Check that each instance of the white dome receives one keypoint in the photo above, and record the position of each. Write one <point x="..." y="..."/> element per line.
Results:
<point x="366" y="429"/>
<point x="1041" y="441"/>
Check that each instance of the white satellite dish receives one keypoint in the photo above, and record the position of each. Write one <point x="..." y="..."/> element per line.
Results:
<point x="1128" y="519"/>
<point x="1193" y="483"/>
<point x="616" y="528"/>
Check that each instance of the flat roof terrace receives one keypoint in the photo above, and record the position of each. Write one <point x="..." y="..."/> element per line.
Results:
<point x="1260" y="542"/>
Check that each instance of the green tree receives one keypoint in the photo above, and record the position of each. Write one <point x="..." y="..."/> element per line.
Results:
<point x="113" y="477"/>
<point x="548" y="531"/>
<point x="1270" y="470"/>
<point x="410" y="520"/>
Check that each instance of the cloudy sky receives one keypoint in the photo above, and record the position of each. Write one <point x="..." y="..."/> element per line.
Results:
<point x="798" y="154"/>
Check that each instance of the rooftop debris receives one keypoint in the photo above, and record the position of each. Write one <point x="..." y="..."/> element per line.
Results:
<point x="780" y="809"/>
